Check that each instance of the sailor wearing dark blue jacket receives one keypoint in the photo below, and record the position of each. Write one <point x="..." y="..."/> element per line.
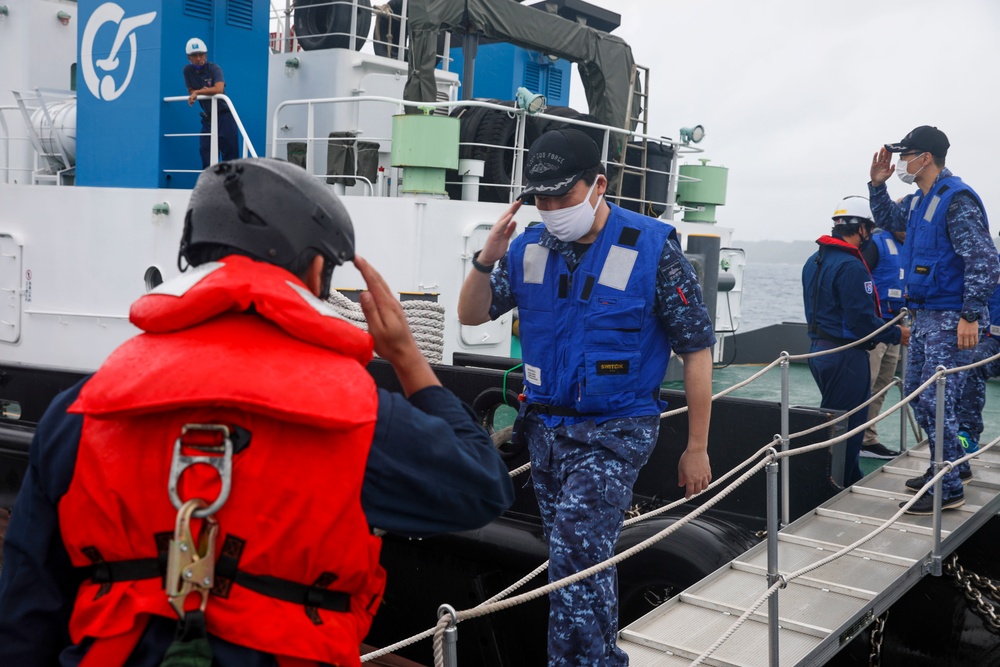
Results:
<point x="882" y="255"/>
<point x="603" y="295"/>
<point x="841" y="307"/>
<point x="950" y="270"/>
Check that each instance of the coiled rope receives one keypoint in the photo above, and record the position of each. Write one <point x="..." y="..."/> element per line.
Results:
<point x="426" y="320"/>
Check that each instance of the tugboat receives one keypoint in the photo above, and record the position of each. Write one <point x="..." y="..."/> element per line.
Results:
<point x="98" y="154"/>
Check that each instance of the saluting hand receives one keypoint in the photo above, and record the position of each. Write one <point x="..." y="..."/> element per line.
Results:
<point x="386" y="320"/>
<point x="882" y="167"/>
<point x="388" y="326"/>
<point x="499" y="239"/>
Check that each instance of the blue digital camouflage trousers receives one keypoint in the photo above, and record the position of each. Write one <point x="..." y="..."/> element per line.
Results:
<point x="933" y="343"/>
<point x="970" y="406"/>
<point x="583" y="487"/>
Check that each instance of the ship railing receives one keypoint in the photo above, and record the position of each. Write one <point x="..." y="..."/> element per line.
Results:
<point x="248" y="149"/>
<point x="517" y="150"/>
<point x="391" y="44"/>
<point x="767" y="458"/>
<point x="6" y="141"/>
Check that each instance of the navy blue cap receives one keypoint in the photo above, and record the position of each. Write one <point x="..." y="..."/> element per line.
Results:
<point x="924" y="139"/>
<point x="557" y="160"/>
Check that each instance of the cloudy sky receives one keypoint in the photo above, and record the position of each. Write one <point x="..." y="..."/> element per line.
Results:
<point x="796" y="95"/>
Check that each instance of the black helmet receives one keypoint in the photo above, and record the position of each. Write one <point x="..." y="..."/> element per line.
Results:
<point x="270" y="210"/>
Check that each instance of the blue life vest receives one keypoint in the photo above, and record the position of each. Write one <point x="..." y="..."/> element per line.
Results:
<point x="934" y="274"/>
<point x="886" y="274"/>
<point x="590" y="340"/>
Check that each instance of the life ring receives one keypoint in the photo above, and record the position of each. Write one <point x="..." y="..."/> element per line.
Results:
<point x="328" y="26"/>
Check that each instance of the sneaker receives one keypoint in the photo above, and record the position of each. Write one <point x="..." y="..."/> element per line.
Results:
<point x="969" y="444"/>
<point x="877" y="451"/>
<point x="925" y="504"/>
<point x="914" y="484"/>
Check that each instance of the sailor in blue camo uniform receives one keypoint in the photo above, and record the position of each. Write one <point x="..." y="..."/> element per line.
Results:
<point x="950" y="272"/>
<point x="969" y="410"/>
<point x="602" y="295"/>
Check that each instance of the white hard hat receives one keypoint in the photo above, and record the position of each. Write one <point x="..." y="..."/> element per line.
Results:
<point x="853" y="206"/>
<point x="195" y="45"/>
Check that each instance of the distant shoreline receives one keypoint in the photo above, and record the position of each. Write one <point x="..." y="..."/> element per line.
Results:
<point x="776" y="252"/>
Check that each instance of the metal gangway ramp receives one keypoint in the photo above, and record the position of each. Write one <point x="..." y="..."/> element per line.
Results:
<point x="820" y="611"/>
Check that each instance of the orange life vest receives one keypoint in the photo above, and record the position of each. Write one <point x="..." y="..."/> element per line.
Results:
<point x="289" y="375"/>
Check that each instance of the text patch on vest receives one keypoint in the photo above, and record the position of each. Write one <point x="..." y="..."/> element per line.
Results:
<point x="613" y="367"/>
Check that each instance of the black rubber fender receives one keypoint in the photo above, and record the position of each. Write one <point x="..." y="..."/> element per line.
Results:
<point x="498" y="129"/>
<point x="313" y="24"/>
<point x="652" y="576"/>
<point x="549" y="124"/>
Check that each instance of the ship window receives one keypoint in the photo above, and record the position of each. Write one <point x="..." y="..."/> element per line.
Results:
<point x="153" y="278"/>
<point x="239" y="13"/>
<point x="199" y="9"/>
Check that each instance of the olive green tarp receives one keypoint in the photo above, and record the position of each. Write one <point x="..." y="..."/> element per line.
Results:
<point x="605" y="61"/>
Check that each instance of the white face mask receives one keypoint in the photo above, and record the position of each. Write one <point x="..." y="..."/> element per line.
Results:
<point x="904" y="176"/>
<point x="573" y="222"/>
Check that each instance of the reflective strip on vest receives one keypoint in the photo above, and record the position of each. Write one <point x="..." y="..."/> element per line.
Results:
<point x="618" y="267"/>
<point x="535" y="259"/>
<point x="891" y="245"/>
<point x="931" y="208"/>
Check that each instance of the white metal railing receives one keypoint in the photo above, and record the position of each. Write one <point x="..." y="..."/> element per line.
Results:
<point x="282" y="24"/>
<point x="248" y="149"/>
<point x="6" y="140"/>
<point x="519" y="149"/>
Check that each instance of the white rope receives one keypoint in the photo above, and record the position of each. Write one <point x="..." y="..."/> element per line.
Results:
<point x="891" y="323"/>
<point x="347" y="309"/>
<point x="426" y="319"/>
<point x="497" y="604"/>
<point x="787" y="578"/>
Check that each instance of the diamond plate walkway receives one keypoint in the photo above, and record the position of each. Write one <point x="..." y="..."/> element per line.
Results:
<point x="824" y="609"/>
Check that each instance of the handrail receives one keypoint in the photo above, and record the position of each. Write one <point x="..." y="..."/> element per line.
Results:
<point x="214" y="146"/>
<point x="771" y="455"/>
<point x="518" y="148"/>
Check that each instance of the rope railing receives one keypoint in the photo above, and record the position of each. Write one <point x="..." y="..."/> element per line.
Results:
<point x="796" y="357"/>
<point x="498" y="603"/>
<point x="785" y="579"/>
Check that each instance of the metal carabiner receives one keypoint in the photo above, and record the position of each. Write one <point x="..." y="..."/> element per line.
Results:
<point x="223" y="464"/>
<point x="191" y="567"/>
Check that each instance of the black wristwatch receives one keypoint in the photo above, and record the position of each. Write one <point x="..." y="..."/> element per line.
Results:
<point x="481" y="267"/>
<point x="970" y="315"/>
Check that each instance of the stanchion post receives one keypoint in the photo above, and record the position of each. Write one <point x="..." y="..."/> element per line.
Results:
<point x="935" y="568"/>
<point x="785" y="462"/>
<point x="450" y="636"/>
<point x="772" y="559"/>
<point x="903" y="353"/>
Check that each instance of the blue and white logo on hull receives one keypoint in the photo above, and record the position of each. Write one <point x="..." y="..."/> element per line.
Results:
<point x="104" y="86"/>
